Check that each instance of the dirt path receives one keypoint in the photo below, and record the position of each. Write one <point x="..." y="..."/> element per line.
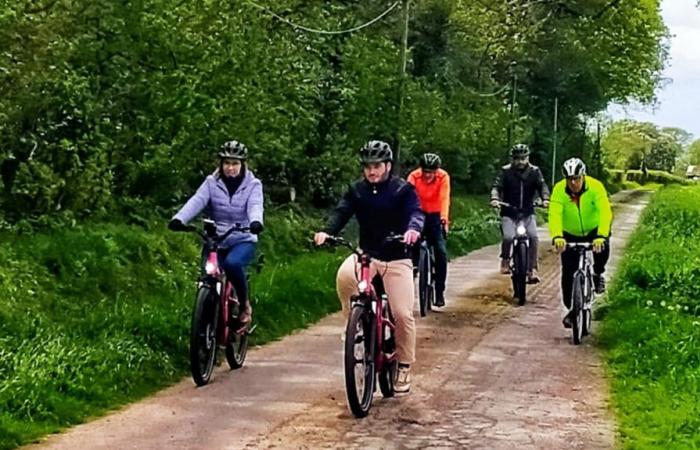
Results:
<point x="489" y="375"/>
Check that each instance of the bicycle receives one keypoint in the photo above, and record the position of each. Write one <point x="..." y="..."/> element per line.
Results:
<point x="582" y="293"/>
<point x="425" y="271"/>
<point x="369" y="348"/>
<point x="520" y="254"/>
<point x="216" y="311"/>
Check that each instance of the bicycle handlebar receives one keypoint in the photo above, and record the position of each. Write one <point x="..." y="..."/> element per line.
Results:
<point x="339" y="240"/>
<point x="508" y="205"/>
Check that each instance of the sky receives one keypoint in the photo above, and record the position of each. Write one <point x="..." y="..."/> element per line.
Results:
<point x="679" y="101"/>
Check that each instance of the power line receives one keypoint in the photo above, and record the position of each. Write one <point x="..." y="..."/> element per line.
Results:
<point x="318" y="31"/>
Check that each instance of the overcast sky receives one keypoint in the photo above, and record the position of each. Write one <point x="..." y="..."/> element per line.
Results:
<point x="679" y="100"/>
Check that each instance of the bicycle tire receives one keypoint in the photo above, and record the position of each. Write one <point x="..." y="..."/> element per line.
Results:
<point x="390" y="368"/>
<point x="423" y="285"/>
<point x="577" y="309"/>
<point x="587" y="311"/>
<point x="203" y="345"/>
<point x="359" y="333"/>
<point x="520" y="273"/>
<point x="237" y="347"/>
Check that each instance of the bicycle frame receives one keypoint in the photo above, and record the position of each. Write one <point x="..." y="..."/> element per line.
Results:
<point x="368" y="298"/>
<point x="583" y="249"/>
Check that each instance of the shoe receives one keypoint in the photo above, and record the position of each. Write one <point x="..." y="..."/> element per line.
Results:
<point x="533" y="277"/>
<point x="599" y="283"/>
<point x="566" y="321"/>
<point x="440" y="300"/>
<point x="505" y="267"/>
<point x="403" y="380"/>
<point x="246" y="315"/>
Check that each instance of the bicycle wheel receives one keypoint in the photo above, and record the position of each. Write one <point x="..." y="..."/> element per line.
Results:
<point x="587" y="311"/>
<point x="520" y="273"/>
<point x="237" y="345"/>
<point x="359" y="361"/>
<point x="390" y="368"/>
<point x="577" y="309"/>
<point x="203" y="335"/>
<point x="424" y="281"/>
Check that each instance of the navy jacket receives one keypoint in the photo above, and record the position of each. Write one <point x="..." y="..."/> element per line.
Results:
<point x="381" y="209"/>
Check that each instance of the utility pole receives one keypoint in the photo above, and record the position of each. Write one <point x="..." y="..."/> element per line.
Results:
<point x="402" y="80"/>
<point x="554" y="141"/>
<point x="514" y="88"/>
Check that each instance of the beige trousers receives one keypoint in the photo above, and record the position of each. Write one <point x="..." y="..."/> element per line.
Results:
<point x="398" y="283"/>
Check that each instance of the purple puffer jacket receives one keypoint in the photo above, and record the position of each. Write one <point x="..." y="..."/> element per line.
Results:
<point x="244" y="207"/>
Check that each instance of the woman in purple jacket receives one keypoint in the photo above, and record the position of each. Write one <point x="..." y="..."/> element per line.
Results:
<point x="231" y="195"/>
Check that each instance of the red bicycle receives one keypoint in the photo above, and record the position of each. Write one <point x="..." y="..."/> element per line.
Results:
<point x="216" y="310"/>
<point x="370" y="347"/>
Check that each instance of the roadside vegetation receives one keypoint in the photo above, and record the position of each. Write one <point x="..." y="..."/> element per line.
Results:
<point x="652" y="323"/>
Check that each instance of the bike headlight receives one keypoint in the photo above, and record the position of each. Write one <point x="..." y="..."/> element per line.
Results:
<point x="362" y="286"/>
<point x="521" y="230"/>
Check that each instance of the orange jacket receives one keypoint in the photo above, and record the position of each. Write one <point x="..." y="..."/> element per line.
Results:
<point x="434" y="197"/>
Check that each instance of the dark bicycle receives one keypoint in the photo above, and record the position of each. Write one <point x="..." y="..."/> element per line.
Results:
<point x="520" y="254"/>
<point x="425" y="272"/>
<point x="370" y="348"/>
<point x="582" y="293"/>
<point x="216" y="310"/>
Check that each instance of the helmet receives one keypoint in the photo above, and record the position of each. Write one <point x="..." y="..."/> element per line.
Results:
<point x="519" y="151"/>
<point x="376" y="151"/>
<point x="430" y="161"/>
<point x="573" y="167"/>
<point x="234" y="150"/>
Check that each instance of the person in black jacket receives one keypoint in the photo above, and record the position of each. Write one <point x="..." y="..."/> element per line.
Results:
<point x="517" y="184"/>
<point x="383" y="204"/>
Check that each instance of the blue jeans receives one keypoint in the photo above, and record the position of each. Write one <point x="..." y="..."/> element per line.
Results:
<point x="234" y="261"/>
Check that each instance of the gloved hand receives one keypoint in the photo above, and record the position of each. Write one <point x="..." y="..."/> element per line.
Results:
<point x="177" y="225"/>
<point x="559" y="244"/>
<point x="256" y="227"/>
<point x="598" y="244"/>
<point x="545" y="204"/>
<point x="445" y="226"/>
<point x="494" y="203"/>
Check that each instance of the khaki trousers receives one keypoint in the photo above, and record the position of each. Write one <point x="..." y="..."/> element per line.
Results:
<point x="398" y="283"/>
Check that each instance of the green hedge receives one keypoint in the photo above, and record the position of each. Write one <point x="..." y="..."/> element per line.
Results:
<point x="650" y="332"/>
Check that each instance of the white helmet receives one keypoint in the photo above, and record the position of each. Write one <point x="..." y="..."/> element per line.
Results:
<point x="573" y="167"/>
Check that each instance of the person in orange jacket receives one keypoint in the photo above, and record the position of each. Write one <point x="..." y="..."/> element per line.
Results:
<point x="433" y="188"/>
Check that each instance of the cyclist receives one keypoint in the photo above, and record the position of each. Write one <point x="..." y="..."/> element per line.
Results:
<point x="517" y="184"/>
<point x="232" y="195"/>
<point x="383" y="204"/>
<point x="433" y="187"/>
<point x="580" y="212"/>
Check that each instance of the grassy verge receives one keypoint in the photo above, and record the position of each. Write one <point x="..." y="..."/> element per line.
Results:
<point x="96" y="316"/>
<point x="650" y="333"/>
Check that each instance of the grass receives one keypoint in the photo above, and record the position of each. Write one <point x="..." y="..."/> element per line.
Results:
<point x="97" y="315"/>
<point x="651" y="331"/>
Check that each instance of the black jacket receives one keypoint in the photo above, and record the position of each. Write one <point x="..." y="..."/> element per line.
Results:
<point x="381" y="209"/>
<point x="519" y="188"/>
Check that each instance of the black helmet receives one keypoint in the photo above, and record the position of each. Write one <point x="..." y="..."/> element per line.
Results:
<point x="376" y="151"/>
<point x="573" y="167"/>
<point x="519" y="151"/>
<point x="234" y="150"/>
<point x="430" y="161"/>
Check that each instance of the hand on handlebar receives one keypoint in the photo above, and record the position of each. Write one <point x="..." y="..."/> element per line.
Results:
<point x="410" y="237"/>
<point x="320" y="238"/>
<point x="598" y="244"/>
<point x="545" y="204"/>
<point x="559" y="244"/>
<point x="177" y="225"/>
<point x="495" y="203"/>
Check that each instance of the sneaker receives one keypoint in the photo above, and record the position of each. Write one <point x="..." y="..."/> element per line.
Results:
<point x="533" y="277"/>
<point x="246" y="315"/>
<point x="439" y="299"/>
<point x="403" y="380"/>
<point x="567" y="321"/>
<point x="599" y="283"/>
<point x="505" y="267"/>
